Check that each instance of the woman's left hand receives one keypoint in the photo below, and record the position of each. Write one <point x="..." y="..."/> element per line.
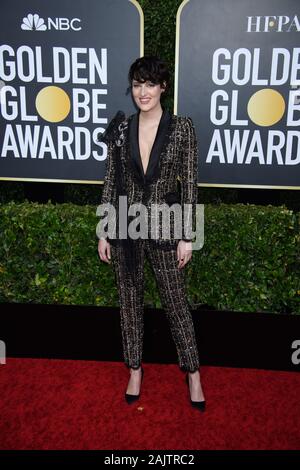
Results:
<point x="184" y="253"/>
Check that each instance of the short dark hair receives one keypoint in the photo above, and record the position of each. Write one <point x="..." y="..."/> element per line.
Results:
<point x="150" y="68"/>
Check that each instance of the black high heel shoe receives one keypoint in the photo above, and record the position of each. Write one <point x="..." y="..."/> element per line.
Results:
<point x="200" y="405"/>
<point x="132" y="398"/>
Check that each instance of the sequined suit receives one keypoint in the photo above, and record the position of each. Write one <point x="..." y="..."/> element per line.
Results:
<point x="173" y="159"/>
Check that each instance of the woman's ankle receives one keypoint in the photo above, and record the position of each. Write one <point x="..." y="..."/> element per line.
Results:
<point x="135" y="369"/>
<point x="195" y="373"/>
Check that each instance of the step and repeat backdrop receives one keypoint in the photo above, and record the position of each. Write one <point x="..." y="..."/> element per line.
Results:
<point x="238" y="77"/>
<point x="63" y="72"/>
<point x="63" y="75"/>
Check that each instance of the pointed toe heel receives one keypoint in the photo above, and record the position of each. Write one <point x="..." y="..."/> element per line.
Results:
<point x="200" y="405"/>
<point x="133" y="398"/>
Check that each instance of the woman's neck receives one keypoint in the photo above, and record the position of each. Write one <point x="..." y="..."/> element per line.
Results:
<point x="152" y="115"/>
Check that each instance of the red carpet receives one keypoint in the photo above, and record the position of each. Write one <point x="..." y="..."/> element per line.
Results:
<point x="63" y="404"/>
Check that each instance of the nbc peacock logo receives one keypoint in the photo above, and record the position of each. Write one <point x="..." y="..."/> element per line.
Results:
<point x="32" y="22"/>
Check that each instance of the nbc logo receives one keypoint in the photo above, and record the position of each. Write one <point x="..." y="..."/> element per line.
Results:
<point x="33" y="22"/>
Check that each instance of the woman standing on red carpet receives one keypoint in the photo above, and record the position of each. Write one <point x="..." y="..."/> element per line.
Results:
<point x="148" y="153"/>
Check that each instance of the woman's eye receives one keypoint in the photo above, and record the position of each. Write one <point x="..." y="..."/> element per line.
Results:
<point x="135" y="85"/>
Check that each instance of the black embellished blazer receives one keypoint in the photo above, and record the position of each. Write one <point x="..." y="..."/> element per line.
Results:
<point x="171" y="175"/>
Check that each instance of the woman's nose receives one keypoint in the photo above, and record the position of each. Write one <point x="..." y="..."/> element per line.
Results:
<point x="143" y="90"/>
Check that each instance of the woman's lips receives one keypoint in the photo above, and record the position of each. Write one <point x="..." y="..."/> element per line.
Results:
<point x="144" y="101"/>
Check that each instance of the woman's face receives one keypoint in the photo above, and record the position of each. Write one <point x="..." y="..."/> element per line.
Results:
<point x="146" y="95"/>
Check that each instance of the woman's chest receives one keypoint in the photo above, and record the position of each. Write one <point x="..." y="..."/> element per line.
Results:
<point x="147" y="160"/>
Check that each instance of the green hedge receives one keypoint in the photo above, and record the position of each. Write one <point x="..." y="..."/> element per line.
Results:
<point x="249" y="262"/>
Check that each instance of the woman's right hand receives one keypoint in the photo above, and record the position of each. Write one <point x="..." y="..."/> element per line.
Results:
<point x="104" y="250"/>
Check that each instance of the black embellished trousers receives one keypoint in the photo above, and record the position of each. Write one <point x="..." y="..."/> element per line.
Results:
<point x="171" y="283"/>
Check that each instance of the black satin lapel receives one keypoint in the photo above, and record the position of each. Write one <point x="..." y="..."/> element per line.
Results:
<point x="158" y="144"/>
<point x="135" y="159"/>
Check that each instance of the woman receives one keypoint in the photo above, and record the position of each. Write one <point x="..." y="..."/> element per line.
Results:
<point x="147" y="153"/>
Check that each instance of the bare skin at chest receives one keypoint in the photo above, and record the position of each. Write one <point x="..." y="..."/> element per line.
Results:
<point x="147" y="135"/>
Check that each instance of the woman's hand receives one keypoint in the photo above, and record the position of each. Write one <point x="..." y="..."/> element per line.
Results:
<point x="184" y="253"/>
<point x="104" y="250"/>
